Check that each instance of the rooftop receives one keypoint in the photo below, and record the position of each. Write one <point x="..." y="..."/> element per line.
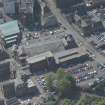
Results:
<point x="39" y="57"/>
<point x="9" y="28"/>
<point x="69" y="54"/>
<point x="31" y="82"/>
<point x="54" y="45"/>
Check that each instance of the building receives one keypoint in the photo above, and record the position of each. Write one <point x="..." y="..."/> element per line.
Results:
<point x="12" y="101"/>
<point x="68" y="4"/>
<point x="3" y="53"/>
<point x="49" y="21"/>
<point x="10" y="32"/>
<point x="25" y="11"/>
<point x="9" y="90"/>
<point x="91" y="4"/>
<point x="25" y="6"/>
<point x="26" y="88"/>
<point x="71" y="55"/>
<point x="52" y="60"/>
<point x="9" y="6"/>
<point x="41" y="61"/>
<point x="53" y="45"/>
<point x="80" y="9"/>
<point x="31" y="85"/>
<point x="7" y="70"/>
<point x="4" y="71"/>
<point x="91" y="24"/>
<point x="2" y="102"/>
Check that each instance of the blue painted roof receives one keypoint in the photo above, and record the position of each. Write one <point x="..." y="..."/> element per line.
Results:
<point x="9" y="28"/>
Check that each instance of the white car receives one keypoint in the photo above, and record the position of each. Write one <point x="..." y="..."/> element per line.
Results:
<point x="90" y="83"/>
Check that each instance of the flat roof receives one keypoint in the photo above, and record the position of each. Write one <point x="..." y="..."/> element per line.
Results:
<point x="9" y="28"/>
<point x="69" y="54"/>
<point x="31" y="82"/>
<point x="40" y="57"/>
<point x="38" y="47"/>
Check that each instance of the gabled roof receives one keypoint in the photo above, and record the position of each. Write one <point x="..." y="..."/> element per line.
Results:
<point x="9" y="28"/>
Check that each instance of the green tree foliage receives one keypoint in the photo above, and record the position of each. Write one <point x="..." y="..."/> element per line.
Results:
<point x="81" y="101"/>
<point x="66" y="83"/>
<point x="49" y="78"/>
<point x="64" y="87"/>
<point x="100" y="88"/>
<point x="100" y="101"/>
<point x="66" y="102"/>
<point x="51" y="103"/>
<point x="71" y="79"/>
<point x="63" y="82"/>
<point x="86" y="100"/>
<point x="60" y="74"/>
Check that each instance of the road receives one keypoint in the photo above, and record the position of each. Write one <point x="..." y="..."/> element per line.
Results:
<point x="70" y="30"/>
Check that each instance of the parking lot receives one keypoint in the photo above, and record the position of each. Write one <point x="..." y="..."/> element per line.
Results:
<point x="43" y="35"/>
<point x="42" y="83"/>
<point x="87" y="73"/>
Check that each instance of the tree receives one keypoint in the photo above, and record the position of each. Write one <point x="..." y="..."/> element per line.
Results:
<point x="60" y="74"/>
<point x="49" y="78"/>
<point x="66" y="102"/>
<point x="63" y="82"/>
<point x="100" y="88"/>
<point x="98" y="101"/>
<point x="81" y="101"/>
<point x="66" y="83"/>
<point x="51" y="103"/>
<point x="64" y="87"/>
<point x="70" y="78"/>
